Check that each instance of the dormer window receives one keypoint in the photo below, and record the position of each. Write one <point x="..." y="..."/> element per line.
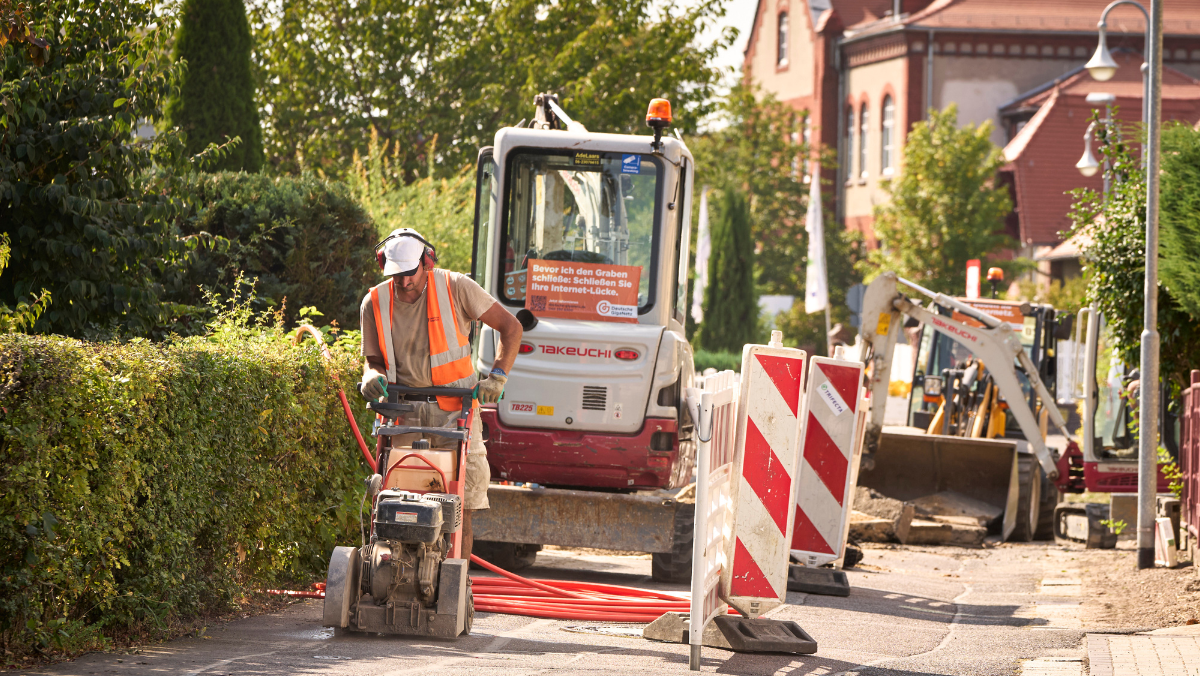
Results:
<point x="782" y="55"/>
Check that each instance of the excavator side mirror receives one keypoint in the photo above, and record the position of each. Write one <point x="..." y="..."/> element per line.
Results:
<point x="1063" y="330"/>
<point x="933" y="386"/>
<point x="527" y="319"/>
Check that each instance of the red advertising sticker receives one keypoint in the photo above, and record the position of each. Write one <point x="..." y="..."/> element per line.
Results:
<point x="572" y="290"/>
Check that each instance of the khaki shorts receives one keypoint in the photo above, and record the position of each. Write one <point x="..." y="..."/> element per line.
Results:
<point x="479" y="473"/>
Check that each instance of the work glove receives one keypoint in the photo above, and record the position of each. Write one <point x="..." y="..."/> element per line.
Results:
<point x="374" y="385"/>
<point x="490" y="389"/>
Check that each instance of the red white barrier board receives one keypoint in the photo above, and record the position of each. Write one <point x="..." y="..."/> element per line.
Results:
<point x="767" y="434"/>
<point x="831" y="435"/>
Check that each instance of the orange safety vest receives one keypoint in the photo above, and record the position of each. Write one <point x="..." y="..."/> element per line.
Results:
<point x="449" y="349"/>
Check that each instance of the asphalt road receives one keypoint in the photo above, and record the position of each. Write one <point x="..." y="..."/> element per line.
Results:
<point x="911" y="611"/>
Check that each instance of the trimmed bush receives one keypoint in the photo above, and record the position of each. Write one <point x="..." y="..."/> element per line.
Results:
<point x="144" y="483"/>
<point x="304" y="238"/>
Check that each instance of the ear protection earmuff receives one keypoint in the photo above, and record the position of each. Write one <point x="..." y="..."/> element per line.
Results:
<point x="428" y="259"/>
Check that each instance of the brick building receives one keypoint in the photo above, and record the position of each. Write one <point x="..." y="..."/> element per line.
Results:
<point x="866" y="70"/>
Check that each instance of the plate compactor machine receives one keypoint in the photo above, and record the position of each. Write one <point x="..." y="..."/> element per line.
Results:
<point x="409" y="578"/>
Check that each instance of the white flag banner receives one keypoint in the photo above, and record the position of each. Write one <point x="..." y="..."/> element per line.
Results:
<point x="703" y="249"/>
<point x="816" y="284"/>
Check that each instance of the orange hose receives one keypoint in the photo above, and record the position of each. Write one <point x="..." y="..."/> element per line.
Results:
<point x="305" y="328"/>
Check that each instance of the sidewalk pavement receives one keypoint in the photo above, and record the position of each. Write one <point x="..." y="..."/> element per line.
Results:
<point x="1174" y="651"/>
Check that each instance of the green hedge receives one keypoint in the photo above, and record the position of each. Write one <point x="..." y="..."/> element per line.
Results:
<point x="721" y="361"/>
<point x="304" y="238"/>
<point x="143" y="483"/>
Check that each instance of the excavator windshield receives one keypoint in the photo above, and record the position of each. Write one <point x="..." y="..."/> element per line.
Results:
<point x="587" y="207"/>
<point x="1116" y="401"/>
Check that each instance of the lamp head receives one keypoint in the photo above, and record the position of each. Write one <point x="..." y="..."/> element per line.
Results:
<point x="1102" y="66"/>
<point x="1088" y="165"/>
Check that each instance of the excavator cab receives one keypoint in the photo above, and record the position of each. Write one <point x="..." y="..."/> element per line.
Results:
<point x="1108" y="394"/>
<point x="943" y="363"/>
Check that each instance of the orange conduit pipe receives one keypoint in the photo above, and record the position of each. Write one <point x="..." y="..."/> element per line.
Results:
<point x="512" y="594"/>
<point x="341" y="394"/>
<point x="515" y="595"/>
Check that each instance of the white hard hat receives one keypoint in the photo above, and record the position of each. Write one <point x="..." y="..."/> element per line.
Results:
<point x="402" y="252"/>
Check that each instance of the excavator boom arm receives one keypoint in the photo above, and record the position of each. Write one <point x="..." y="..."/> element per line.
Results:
<point x="996" y="345"/>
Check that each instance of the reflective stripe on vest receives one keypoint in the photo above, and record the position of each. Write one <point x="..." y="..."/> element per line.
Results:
<point x="449" y="349"/>
<point x="381" y="301"/>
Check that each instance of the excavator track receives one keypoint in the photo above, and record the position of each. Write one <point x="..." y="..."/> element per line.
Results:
<point x="1029" y="498"/>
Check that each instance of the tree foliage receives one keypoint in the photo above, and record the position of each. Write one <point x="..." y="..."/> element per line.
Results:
<point x="945" y="208"/>
<point x="441" y="209"/>
<point x="1116" y="256"/>
<point x="1179" y="220"/>
<point x="216" y="96"/>
<point x="26" y="312"/>
<point x="334" y="72"/>
<point x="306" y="240"/>
<point x="730" y="300"/>
<point x="759" y="149"/>
<point x="87" y="204"/>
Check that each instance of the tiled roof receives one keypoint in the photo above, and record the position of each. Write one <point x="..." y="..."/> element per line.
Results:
<point x="858" y="12"/>
<point x="1043" y="154"/>
<point x="1127" y="83"/>
<point x="1180" y="17"/>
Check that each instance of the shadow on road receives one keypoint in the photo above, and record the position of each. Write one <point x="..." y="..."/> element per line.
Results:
<point x="907" y="606"/>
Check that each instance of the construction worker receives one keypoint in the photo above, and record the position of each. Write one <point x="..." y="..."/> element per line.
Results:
<point x="414" y="333"/>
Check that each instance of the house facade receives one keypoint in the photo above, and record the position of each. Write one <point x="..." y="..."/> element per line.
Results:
<point x="867" y="70"/>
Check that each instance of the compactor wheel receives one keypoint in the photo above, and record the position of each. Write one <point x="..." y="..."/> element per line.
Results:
<point x="1029" y="497"/>
<point x="470" y="610"/>
<point x="341" y="587"/>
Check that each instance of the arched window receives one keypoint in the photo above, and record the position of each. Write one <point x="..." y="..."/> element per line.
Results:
<point x="863" y="127"/>
<point x="848" y="151"/>
<point x="888" y="137"/>
<point x="781" y="58"/>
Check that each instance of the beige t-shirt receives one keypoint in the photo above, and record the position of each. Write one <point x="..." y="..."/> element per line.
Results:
<point x="410" y="328"/>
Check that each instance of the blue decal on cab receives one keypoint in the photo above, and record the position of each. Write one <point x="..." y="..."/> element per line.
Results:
<point x="631" y="164"/>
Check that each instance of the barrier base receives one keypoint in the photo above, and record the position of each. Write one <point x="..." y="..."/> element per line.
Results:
<point x="761" y="635"/>
<point x="825" y="581"/>
<point x="730" y="632"/>
<point x="673" y="628"/>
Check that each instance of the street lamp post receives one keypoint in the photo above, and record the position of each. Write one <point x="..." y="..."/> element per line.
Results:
<point x="1103" y="67"/>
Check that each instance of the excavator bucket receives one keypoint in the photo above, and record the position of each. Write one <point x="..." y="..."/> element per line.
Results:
<point x="910" y="464"/>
